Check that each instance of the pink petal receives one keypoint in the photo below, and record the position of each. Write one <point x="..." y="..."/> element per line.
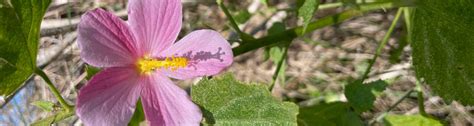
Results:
<point x="209" y="53"/>
<point x="105" y="40"/>
<point x="166" y="104"/>
<point x="156" y="23"/>
<point x="109" y="98"/>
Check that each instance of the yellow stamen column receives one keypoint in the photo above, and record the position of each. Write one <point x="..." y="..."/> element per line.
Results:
<point x="147" y="65"/>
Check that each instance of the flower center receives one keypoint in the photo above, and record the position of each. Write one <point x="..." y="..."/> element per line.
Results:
<point x="146" y="65"/>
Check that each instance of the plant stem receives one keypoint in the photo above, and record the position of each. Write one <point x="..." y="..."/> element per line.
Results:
<point x="382" y="44"/>
<point x="408" y="16"/>
<point x="233" y="24"/>
<point x="330" y="5"/>
<point x="320" y="7"/>
<point x="421" y="103"/>
<point x="362" y="5"/>
<point x="421" y="99"/>
<point x="400" y="100"/>
<point x="392" y="106"/>
<point x="292" y="33"/>
<point x="280" y="64"/>
<point x="55" y="91"/>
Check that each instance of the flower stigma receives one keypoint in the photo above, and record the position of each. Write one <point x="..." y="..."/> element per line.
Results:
<point x="147" y="65"/>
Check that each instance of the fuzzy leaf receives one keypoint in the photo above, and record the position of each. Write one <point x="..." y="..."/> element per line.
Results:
<point x="443" y="47"/>
<point x="332" y="114"/>
<point x="410" y="120"/>
<point x="58" y="116"/>
<point x="19" y="33"/>
<point x="362" y="96"/>
<point x="306" y="11"/>
<point x="45" y="105"/>
<point x="225" y="101"/>
<point x="242" y="16"/>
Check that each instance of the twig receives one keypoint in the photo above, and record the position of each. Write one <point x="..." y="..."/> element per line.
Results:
<point x="58" y="26"/>
<point x="52" y="54"/>
<point x="233" y="24"/>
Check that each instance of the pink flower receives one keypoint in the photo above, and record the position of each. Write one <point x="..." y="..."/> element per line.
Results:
<point x="138" y="58"/>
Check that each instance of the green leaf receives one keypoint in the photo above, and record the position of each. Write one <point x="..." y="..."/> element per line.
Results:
<point x="45" y="105"/>
<point x="277" y="27"/>
<point x="138" y="116"/>
<point x="443" y="47"/>
<point x="332" y="114"/>
<point x="306" y="12"/>
<point x="410" y="120"/>
<point x="225" y="101"/>
<point x="19" y="33"/>
<point x="276" y="52"/>
<point x="91" y="71"/>
<point x="242" y="16"/>
<point x="48" y="121"/>
<point x="362" y="96"/>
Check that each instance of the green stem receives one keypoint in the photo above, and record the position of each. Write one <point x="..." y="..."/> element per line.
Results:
<point x="382" y="44"/>
<point x="393" y="106"/>
<point x="400" y="100"/>
<point x="290" y="34"/>
<point x="362" y="5"/>
<point x="280" y="64"/>
<point x="233" y="24"/>
<point x="55" y="91"/>
<point x="421" y="99"/>
<point x="330" y="5"/>
<point x="320" y="7"/>
<point x="408" y="16"/>
<point x="421" y="103"/>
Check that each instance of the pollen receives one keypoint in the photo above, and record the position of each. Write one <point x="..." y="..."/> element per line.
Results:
<point x="147" y="65"/>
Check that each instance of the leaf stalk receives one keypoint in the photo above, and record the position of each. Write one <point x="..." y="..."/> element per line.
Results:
<point x="279" y="66"/>
<point x="383" y="43"/>
<point x="54" y="90"/>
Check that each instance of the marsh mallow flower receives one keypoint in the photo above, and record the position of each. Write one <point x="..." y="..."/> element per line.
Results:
<point x="139" y="58"/>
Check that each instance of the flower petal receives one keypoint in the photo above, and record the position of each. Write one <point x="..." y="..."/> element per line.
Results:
<point x="208" y="53"/>
<point x="166" y="104"/>
<point x="109" y="98"/>
<point x="156" y="23"/>
<point x="105" y="40"/>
